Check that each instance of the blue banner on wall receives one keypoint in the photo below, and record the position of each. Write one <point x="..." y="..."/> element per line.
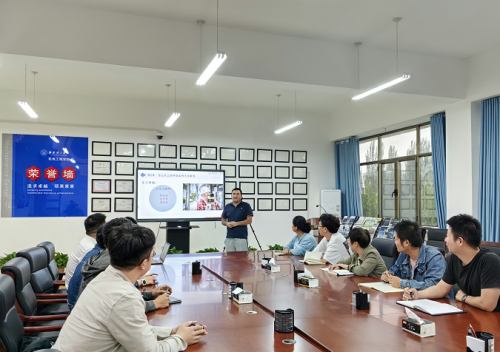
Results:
<point x="44" y="176"/>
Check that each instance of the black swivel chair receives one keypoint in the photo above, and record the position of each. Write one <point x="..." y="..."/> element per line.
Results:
<point x="435" y="238"/>
<point x="12" y="329"/>
<point x="387" y="249"/>
<point x="41" y="279"/>
<point x="33" y="305"/>
<point x="51" y="253"/>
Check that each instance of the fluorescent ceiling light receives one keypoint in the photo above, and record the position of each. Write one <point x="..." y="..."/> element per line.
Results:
<point x="219" y="58"/>
<point x="27" y="108"/>
<point x="172" y="119"/>
<point x="382" y="87"/>
<point x="54" y="138"/>
<point x="288" y="127"/>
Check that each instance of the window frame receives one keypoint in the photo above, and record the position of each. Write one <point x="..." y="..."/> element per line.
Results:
<point x="396" y="161"/>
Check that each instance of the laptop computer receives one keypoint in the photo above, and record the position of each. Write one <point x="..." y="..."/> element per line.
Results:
<point x="164" y="252"/>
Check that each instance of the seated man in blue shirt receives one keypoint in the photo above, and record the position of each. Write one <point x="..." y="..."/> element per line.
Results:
<point x="303" y="241"/>
<point x="236" y="216"/>
<point x="418" y="266"/>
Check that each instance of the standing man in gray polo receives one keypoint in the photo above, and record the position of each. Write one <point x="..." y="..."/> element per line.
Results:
<point x="236" y="216"/>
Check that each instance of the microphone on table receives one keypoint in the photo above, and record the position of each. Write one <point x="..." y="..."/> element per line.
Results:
<point x="319" y="205"/>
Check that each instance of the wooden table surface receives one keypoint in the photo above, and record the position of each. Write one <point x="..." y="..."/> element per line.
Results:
<point x="324" y="317"/>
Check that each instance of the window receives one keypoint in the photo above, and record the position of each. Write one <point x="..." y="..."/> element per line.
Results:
<point x="396" y="175"/>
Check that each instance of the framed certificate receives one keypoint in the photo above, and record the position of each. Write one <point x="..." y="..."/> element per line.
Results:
<point x="227" y="201"/>
<point x="246" y="171"/>
<point x="189" y="166"/>
<point x="124" y="186"/>
<point x="299" y="156"/>
<point x="282" y="188"/>
<point x="208" y="166"/>
<point x="265" y="155"/>
<point x="124" y="168"/>
<point x="101" y="205"/>
<point x="168" y="165"/>
<point x="229" y="186"/>
<point x="299" y="172"/>
<point x="208" y="153"/>
<point x="146" y="150"/>
<point x="124" y="149"/>
<point x="282" y="204"/>
<point x="247" y="154"/>
<point x="265" y="188"/>
<point x="282" y="156"/>
<point x="300" y="189"/>
<point x="168" y="151"/>
<point x="101" y="167"/>
<point x="264" y="171"/>
<point x="124" y="204"/>
<point x="146" y="165"/>
<point x="282" y="172"/>
<point x="265" y="204"/>
<point x="101" y="148"/>
<point x="247" y="187"/>
<point x="228" y="154"/>
<point x="250" y="201"/>
<point x="229" y="170"/>
<point x="101" y="186"/>
<point x="189" y="152"/>
<point x="300" y="204"/>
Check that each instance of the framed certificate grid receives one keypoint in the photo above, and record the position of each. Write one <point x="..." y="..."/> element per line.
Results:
<point x="247" y="187"/>
<point x="101" y="167"/>
<point x="246" y="154"/>
<point x="265" y="204"/>
<point x="101" y="148"/>
<point x="208" y="153"/>
<point x="168" y="151"/>
<point x="299" y="172"/>
<point x="124" y="186"/>
<point x="124" y="168"/>
<point x="282" y="204"/>
<point x="250" y="201"/>
<point x="282" y="188"/>
<point x="208" y="166"/>
<point x="228" y="154"/>
<point x="189" y="166"/>
<point x="229" y="170"/>
<point x="245" y="171"/>
<point x="282" y="172"/>
<point x="124" y="149"/>
<point x="229" y="186"/>
<point x="100" y="205"/>
<point x="189" y="152"/>
<point x="282" y="156"/>
<point x="299" y="156"/>
<point x="101" y="186"/>
<point x="300" y="189"/>
<point x="124" y="205"/>
<point x="265" y="188"/>
<point x="264" y="171"/>
<point x="265" y="155"/>
<point x="146" y="150"/>
<point x="146" y="165"/>
<point x="299" y="204"/>
<point x="168" y="165"/>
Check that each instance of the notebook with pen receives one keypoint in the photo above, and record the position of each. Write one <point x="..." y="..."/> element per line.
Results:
<point x="431" y="307"/>
<point x="381" y="286"/>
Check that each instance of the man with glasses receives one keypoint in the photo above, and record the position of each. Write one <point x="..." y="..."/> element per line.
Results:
<point x="110" y="313"/>
<point x="333" y="244"/>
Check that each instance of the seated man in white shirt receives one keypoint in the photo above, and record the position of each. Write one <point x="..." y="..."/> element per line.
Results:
<point x="333" y="244"/>
<point x="91" y="223"/>
<point x="110" y="314"/>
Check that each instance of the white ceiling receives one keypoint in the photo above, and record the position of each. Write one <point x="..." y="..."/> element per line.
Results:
<point x="449" y="28"/>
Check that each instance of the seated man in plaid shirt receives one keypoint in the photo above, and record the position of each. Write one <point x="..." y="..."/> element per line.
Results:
<point x="203" y="202"/>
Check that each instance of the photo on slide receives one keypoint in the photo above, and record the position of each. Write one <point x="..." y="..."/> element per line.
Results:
<point x="202" y="196"/>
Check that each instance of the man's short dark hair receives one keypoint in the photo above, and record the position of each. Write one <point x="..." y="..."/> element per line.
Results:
<point x="409" y="230"/>
<point x="93" y="222"/>
<point x="129" y="245"/>
<point x="360" y="235"/>
<point x="467" y="227"/>
<point x="329" y="221"/>
<point x="237" y="189"/>
<point x="102" y="240"/>
<point x="131" y="219"/>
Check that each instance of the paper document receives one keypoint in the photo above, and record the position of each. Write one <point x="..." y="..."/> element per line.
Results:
<point x="381" y="286"/>
<point x="431" y="307"/>
<point x="340" y="272"/>
<point x="313" y="258"/>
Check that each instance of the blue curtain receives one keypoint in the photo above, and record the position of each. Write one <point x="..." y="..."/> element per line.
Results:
<point x="348" y="176"/>
<point x="489" y="170"/>
<point x="438" y="141"/>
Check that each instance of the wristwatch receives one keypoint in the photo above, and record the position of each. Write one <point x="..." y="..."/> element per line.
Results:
<point x="143" y="282"/>
<point x="464" y="297"/>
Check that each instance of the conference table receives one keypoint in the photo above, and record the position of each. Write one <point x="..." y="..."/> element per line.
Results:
<point x="324" y="318"/>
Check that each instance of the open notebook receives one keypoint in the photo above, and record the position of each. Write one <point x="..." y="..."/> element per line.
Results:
<point x="381" y="286"/>
<point x="313" y="258"/>
<point x="339" y="272"/>
<point x="431" y="307"/>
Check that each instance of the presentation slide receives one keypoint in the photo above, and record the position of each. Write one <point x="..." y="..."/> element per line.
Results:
<point x="177" y="195"/>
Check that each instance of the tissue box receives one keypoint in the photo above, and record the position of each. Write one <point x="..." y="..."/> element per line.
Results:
<point x="243" y="296"/>
<point x="264" y="262"/>
<point x="308" y="281"/>
<point x="427" y="329"/>
<point x="272" y="267"/>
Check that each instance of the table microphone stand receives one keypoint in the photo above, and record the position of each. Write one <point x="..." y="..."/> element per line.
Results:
<point x="256" y="237"/>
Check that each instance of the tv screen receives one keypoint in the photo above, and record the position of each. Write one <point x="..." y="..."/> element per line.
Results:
<point x="179" y="195"/>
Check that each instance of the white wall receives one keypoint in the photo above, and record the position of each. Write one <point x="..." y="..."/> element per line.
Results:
<point x="198" y="125"/>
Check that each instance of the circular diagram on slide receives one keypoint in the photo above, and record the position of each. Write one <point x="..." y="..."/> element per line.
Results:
<point x="162" y="198"/>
